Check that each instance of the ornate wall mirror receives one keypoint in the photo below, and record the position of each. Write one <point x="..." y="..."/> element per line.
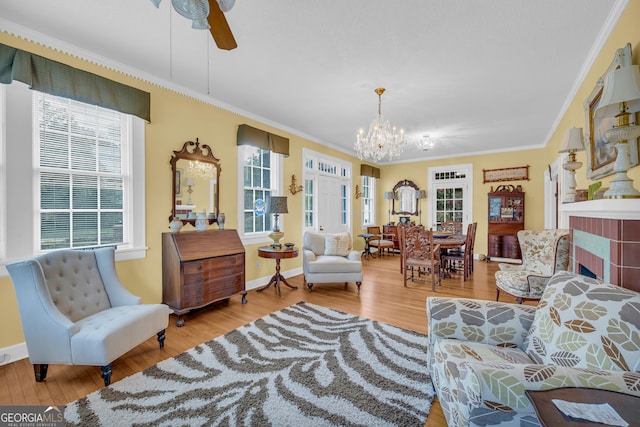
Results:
<point x="406" y="202"/>
<point x="196" y="183"/>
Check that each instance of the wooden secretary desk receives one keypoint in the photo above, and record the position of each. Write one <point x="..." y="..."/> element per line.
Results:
<point x="506" y="218"/>
<point x="200" y="268"/>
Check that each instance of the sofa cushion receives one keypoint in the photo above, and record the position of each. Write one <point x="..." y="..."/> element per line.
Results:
<point x="334" y="264"/>
<point x="337" y="244"/>
<point x="585" y="323"/>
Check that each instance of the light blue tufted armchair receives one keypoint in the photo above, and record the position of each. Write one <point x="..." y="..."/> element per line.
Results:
<point x="75" y="311"/>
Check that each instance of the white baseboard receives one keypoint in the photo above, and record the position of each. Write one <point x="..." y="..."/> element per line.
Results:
<point x="262" y="281"/>
<point x="13" y="353"/>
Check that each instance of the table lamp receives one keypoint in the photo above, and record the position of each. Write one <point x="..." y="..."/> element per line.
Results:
<point x="573" y="142"/>
<point x="277" y="205"/>
<point x="621" y="97"/>
<point x="189" y="183"/>
<point x="388" y="195"/>
<point x="422" y="194"/>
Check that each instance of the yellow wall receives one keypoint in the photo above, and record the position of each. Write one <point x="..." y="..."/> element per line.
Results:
<point x="177" y="118"/>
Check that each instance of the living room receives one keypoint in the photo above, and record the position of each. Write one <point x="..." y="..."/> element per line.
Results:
<point x="177" y="118"/>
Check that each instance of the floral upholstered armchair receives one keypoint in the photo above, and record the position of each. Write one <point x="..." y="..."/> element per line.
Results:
<point x="485" y="354"/>
<point x="544" y="252"/>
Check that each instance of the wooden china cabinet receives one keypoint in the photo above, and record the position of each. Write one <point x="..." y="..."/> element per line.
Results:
<point x="506" y="218"/>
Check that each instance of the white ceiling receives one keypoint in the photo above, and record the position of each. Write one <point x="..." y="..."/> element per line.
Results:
<point x="479" y="76"/>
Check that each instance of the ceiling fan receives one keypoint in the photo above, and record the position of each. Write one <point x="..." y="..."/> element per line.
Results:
<point x="207" y="15"/>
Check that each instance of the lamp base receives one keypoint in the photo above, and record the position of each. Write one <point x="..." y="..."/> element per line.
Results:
<point x="621" y="188"/>
<point x="276" y="236"/>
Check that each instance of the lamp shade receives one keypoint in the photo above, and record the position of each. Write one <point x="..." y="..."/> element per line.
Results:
<point x="422" y="194"/>
<point x="188" y="181"/>
<point x="388" y="195"/>
<point x="573" y="141"/>
<point x="277" y="205"/>
<point x="621" y="85"/>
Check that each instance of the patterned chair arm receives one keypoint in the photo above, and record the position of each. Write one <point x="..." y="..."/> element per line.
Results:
<point x="503" y="385"/>
<point x="537" y="283"/>
<point x="489" y="322"/>
<point x="510" y="267"/>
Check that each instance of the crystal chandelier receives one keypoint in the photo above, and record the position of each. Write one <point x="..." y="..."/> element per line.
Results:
<point x="382" y="140"/>
<point x="426" y="143"/>
<point x="201" y="170"/>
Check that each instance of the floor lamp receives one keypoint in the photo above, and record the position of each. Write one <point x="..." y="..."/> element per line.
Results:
<point x="621" y="97"/>
<point x="422" y="194"/>
<point x="388" y="195"/>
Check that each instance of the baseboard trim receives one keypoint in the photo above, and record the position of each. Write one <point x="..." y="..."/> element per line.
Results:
<point x="13" y="353"/>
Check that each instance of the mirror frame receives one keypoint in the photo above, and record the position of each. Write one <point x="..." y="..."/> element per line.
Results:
<point x="397" y="187"/>
<point x="200" y="153"/>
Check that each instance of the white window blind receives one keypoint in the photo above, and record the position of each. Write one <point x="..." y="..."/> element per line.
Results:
<point x="81" y="165"/>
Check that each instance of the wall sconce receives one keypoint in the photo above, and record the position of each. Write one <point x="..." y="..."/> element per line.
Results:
<point x="357" y="193"/>
<point x="294" y="187"/>
<point x="189" y="183"/>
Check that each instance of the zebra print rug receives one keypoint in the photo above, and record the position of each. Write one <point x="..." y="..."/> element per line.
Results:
<point x="304" y="365"/>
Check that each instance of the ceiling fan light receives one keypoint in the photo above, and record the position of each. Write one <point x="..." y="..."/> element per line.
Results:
<point x="156" y="3"/>
<point x="200" y="24"/>
<point x="196" y="10"/>
<point x="226" y="5"/>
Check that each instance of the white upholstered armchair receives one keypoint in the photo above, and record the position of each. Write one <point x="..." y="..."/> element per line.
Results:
<point x="328" y="258"/>
<point x="75" y="311"/>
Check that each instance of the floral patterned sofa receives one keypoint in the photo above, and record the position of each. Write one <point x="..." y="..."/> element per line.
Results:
<point x="485" y="354"/>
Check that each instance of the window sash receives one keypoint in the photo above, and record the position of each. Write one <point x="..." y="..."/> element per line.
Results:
<point x="79" y="156"/>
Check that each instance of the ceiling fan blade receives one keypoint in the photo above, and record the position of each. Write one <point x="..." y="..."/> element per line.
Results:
<point x="220" y="28"/>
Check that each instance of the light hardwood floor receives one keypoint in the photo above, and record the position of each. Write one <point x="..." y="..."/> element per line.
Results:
<point x="382" y="297"/>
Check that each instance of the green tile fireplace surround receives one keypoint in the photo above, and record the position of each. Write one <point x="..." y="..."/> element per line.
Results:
<point x="605" y="239"/>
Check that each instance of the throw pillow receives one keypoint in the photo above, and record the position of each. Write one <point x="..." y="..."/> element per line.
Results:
<point x="585" y="323"/>
<point x="337" y="244"/>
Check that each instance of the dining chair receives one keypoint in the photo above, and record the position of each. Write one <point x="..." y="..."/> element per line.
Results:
<point x="461" y="260"/>
<point x="378" y="241"/>
<point x="420" y="255"/>
<point x="453" y="226"/>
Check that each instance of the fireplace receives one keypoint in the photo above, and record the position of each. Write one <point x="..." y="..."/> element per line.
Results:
<point x="605" y="240"/>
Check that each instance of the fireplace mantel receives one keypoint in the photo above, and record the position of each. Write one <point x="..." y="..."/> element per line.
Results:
<point x="602" y="208"/>
<point x="605" y="239"/>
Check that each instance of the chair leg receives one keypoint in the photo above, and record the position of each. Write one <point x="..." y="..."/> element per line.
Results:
<point x="106" y="374"/>
<point x="309" y="286"/>
<point x="40" y="371"/>
<point x="161" y="338"/>
<point x="358" y="285"/>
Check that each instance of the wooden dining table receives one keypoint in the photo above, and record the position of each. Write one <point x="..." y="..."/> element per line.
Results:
<point x="454" y="241"/>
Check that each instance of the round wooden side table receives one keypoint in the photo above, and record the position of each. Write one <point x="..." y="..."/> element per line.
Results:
<point x="277" y="254"/>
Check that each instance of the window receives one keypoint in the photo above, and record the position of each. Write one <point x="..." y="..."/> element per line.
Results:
<point x="368" y="201"/>
<point x="81" y="153"/>
<point x="74" y="171"/>
<point x="260" y="178"/>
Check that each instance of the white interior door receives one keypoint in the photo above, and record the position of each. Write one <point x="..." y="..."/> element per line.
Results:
<point x="329" y="198"/>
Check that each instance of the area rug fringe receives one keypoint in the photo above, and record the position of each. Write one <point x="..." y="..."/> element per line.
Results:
<point x="305" y="365"/>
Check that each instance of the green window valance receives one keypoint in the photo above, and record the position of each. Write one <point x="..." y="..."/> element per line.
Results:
<point x="248" y="135"/>
<point x="368" y="170"/>
<point x="56" y="78"/>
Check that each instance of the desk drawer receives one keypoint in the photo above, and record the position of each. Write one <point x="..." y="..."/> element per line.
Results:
<point x="223" y="287"/>
<point x="204" y="270"/>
